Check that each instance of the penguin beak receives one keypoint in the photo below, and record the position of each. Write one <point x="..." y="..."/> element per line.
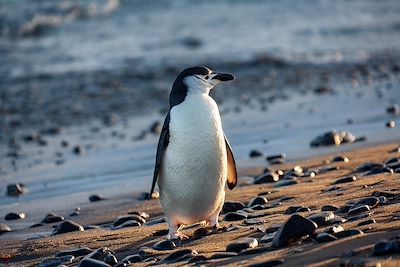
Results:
<point x="223" y="77"/>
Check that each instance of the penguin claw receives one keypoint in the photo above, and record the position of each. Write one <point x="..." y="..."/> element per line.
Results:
<point x="177" y="236"/>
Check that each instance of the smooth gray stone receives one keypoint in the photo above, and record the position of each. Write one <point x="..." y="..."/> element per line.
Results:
<point x="293" y="229"/>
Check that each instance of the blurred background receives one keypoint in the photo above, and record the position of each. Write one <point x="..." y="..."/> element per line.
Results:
<point x="84" y="85"/>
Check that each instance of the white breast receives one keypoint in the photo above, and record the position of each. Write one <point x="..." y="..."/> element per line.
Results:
<point x="193" y="172"/>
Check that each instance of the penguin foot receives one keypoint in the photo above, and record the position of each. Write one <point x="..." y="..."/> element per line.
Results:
<point x="176" y="236"/>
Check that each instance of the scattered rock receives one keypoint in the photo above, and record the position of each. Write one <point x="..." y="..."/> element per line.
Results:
<point x="384" y="194"/>
<point x="201" y="232"/>
<point x="286" y="182"/>
<point x="95" y="198"/>
<point x="347" y="233"/>
<point x="130" y="223"/>
<point x="268" y="238"/>
<point x="384" y="247"/>
<point x="358" y="209"/>
<point x="393" y="109"/>
<point x="179" y="255"/>
<point x="222" y="255"/>
<point x="257" y="201"/>
<point x="66" y="227"/>
<point x="78" y="150"/>
<point x="274" y="157"/>
<point x="323" y="90"/>
<point x="76" y="252"/>
<point x="241" y="244"/>
<point x="16" y="189"/>
<point x="323" y="218"/>
<point x="366" y="222"/>
<point x="329" y="208"/>
<point x="132" y="259"/>
<point x="234" y="216"/>
<point x="372" y="202"/>
<point x="347" y="179"/>
<point x="14" y="216"/>
<point x="340" y="159"/>
<point x="269" y="263"/>
<point x="93" y="263"/>
<point x="124" y="218"/>
<point x="4" y="228"/>
<point x="55" y="261"/>
<point x="231" y="206"/>
<point x="164" y="245"/>
<point x="268" y="177"/>
<point x="293" y="229"/>
<point x="110" y="259"/>
<point x="52" y="218"/>
<point x="344" y="209"/>
<point x="333" y="138"/>
<point x="367" y="166"/>
<point x="325" y="237"/>
<point x="255" y="154"/>
<point x="390" y="124"/>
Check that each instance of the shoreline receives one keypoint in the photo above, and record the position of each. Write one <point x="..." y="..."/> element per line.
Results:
<point x="129" y="240"/>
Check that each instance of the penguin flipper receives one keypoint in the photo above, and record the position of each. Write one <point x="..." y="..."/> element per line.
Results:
<point x="162" y="145"/>
<point x="232" y="172"/>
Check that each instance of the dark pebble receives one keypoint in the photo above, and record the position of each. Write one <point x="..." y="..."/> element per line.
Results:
<point x="384" y="247"/>
<point x="292" y="209"/>
<point x="252" y="221"/>
<point x="55" y="261"/>
<point x="327" y="139"/>
<point x="258" y="201"/>
<point x="179" y="255"/>
<point x="132" y="259"/>
<point x="303" y="209"/>
<point x="390" y="124"/>
<point x="293" y="229"/>
<point x="197" y="258"/>
<point x="110" y="259"/>
<point x="93" y="263"/>
<point x="164" y="245"/>
<point x="241" y="244"/>
<point x="4" y="228"/>
<point x="380" y="170"/>
<point x="50" y="131"/>
<point x="347" y="179"/>
<point x="347" y="233"/>
<point x="255" y="154"/>
<point x="323" y="218"/>
<point x="277" y="156"/>
<point x="340" y="159"/>
<point x="393" y="109"/>
<point x="52" y="218"/>
<point x="344" y="209"/>
<point x="358" y="209"/>
<point x="231" y="206"/>
<point x="76" y="252"/>
<point x="372" y="202"/>
<point x="78" y="150"/>
<point x="268" y="238"/>
<point x="234" y="216"/>
<point x="98" y="254"/>
<point x="269" y="177"/>
<point x="329" y="208"/>
<point x="286" y="182"/>
<point x="325" y="237"/>
<point x="276" y="161"/>
<point x="382" y="200"/>
<point x="14" y="216"/>
<point x="161" y="232"/>
<point x="384" y="194"/>
<point x="367" y="166"/>
<point x="269" y="263"/>
<point x="66" y="227"/>
<point x="201" y="232"/>
<point x="366" y="222"/>
<point x="394" y="160"/>
<point x="222" y="255"/>
<point x="124" y="218"/>
<point x="130" y="223"/>
<point x="16" y="189"/>
<point x="95" y="198"/>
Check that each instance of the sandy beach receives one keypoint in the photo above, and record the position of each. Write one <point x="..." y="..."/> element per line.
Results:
<point x="311" y="192"/>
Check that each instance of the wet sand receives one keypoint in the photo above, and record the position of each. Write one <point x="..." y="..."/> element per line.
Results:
<point x="309" y="192"/>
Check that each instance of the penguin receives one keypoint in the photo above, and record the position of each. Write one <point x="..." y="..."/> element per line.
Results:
<point x="194" y="159"/>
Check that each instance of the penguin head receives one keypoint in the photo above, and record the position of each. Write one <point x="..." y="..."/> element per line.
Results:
<point x="196" y="79"/>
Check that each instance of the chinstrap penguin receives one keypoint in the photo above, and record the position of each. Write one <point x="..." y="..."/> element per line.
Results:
<point x="194" y="160"/>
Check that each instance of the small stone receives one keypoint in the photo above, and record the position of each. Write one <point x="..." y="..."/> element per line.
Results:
<point x="393" y="109"/>
<point x="269" y="263"/>
<point x="78" y="150"/>
<point x="366" y="222"/>
<point x="164" y="245"/>
<point x="268" y="177"/>
<point x="344" y="209"/>
<point x="124" y="218"/>
<point x="334" y="229"/>
<point x="132" y="259"/>
<point x="347" y="179"/>
<point x="384" y="194"/>
<point x="293" y="229"/>
<point x="277" y="156"/>
<point x="55" y="261"/>
<point x="276" y="161"/>
<point x="93" y="263"/>
<point x="241" y="244"/>
<point x="95" y="198"/>
<point x="325" y="237"/>
<point x="390" y="124"/>
<point x="303" y="209"/>
<point x="231" y="206"/>
<point x="52" y="218"/>
<point x="234" y="216"/>
<point x="201" y="232"/>
<point x="292" y="209"/>
<point x="347" y="233"/>
<point x="130" y="223"/>
<point x="66" y="227"/>
<point x="380" y="170"/>
<point x="179" y="255"/>
<point x="358" y="209"/>
<point x="322" y="218"/>
<point x="255" y="154"/>
<point x="14" y="216"/>
<point x="110" y="259"/>
<point x="4" y="228"/>
<point x="286" y="182"/>
<point x="257" y="201"/>
<point x="382" y="200"/>
<point x="197" y="259"/>
<point x="223" y="255"/>
<point x="76" y="252"/>
<point x="252" y="221"/>
<point x="98" y="254"/>
<point x="367" y="166"/>
<point x="16" y="189"/>
<point x="340" y="159"/>
<point x="372" y="202"/>
<point x="384" y="247"/>
<point x="327" y="139"/>
<point x="329" y="208"/>
<point x="268" y="238"/>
